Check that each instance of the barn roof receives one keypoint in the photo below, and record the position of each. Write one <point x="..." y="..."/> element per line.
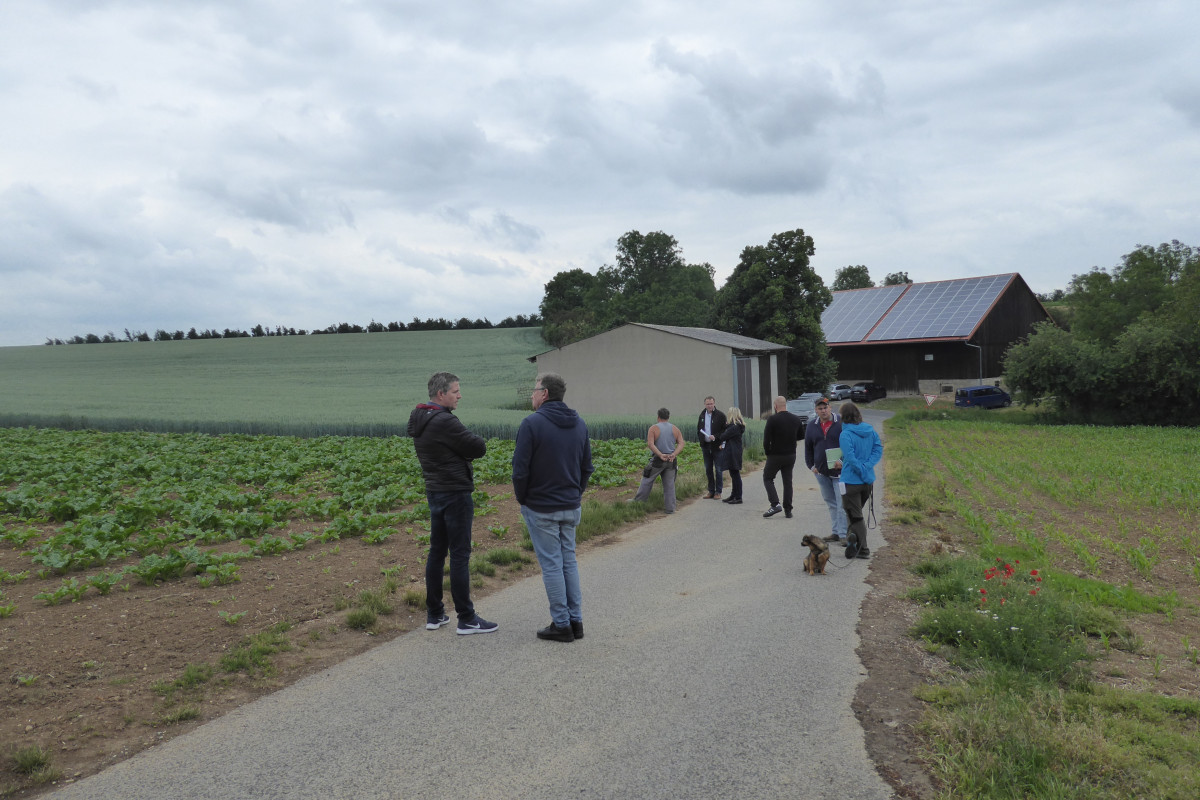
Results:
<point x="731" y="340"/>
<point x="937" y="310"/>
<point x="712" y="336"/>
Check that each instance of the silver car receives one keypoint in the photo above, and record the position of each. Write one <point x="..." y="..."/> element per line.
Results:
<point x="839" y="391"/>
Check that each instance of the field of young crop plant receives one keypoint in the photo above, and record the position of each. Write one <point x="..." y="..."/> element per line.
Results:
<point x="149" y="580"/>
<point x="1060" y="581"/>
<point x="1116" y="504"/>
<point x="308" y="385"/>
<point x="99" y="509"/>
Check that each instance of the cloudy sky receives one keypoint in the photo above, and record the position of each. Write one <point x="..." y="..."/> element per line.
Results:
<point x="229" y="163"/>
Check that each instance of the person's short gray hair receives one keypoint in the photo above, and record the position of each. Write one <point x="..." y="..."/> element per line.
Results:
<point x="555" y="386"/>
<point x="440" y="382"/>
<point x="664" y="414"/>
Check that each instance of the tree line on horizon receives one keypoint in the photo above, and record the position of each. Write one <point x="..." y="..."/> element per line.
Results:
<point x="417" y="324"/>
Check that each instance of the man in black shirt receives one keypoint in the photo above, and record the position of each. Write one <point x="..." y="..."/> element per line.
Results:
<point x="782" y="431"/>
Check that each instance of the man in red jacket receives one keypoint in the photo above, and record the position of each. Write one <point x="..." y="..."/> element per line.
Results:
<point x="822" y="435"/>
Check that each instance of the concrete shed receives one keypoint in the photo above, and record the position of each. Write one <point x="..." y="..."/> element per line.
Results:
<point x="639" y="368"/>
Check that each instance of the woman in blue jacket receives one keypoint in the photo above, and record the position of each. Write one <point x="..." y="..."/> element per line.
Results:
<point x="861" y="451"/>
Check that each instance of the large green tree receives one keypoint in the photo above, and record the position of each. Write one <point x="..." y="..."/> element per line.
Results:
<point x="1106" y="303"/>
<point x="649" y="282"/>
<point x="855" y="276"/>
<point x="896" y="279"/>
<point x="774" y="294"/>
<point x="1139" y="365"/>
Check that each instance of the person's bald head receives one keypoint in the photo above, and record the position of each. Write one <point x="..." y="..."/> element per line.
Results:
<point x="781" y="403"/>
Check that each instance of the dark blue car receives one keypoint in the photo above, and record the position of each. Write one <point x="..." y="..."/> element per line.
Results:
<point x="982" y="397"/>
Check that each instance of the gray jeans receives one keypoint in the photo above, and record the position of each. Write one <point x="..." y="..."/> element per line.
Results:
<point x="667" y="471"/>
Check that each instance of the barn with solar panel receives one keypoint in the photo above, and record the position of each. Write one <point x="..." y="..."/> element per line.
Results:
<point x="923" y="338"/>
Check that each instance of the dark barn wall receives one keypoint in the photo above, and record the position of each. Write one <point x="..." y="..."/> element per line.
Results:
<point x="900" y="367"/>
<point x="1010" y="321"/>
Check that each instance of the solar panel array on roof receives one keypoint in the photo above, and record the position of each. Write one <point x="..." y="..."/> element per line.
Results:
<point x="852" y="314"/>
<point x="941" y="309"/>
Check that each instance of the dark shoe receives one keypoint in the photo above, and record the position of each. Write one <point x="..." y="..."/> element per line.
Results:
<point x="577" y="628"/>
<point x="772" y="511"/>
<point x="852" y="546"/>
<point x="737" y="501"/>
<point x="477" y="625"/>
<point x="832" y="538"/>
<point x="554" y="633"/>
<point x="864" y="553"/>
<point x="729" y="499"/>
<point x="787" y="512"/>
<point x="435" y="621"/>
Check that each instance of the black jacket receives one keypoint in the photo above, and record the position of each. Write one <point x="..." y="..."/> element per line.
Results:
<point x="731" y="454"/>
<point x="718" y="427"/>
<point x="445" y="449"/>
<point x="780" y="434"/>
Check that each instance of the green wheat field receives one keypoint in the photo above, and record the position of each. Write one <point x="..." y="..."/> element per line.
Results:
<point x="353" y="384"/>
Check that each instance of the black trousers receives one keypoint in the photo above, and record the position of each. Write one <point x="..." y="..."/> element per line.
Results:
<point x="856" y="496"/>
<point x="779" y="465"/>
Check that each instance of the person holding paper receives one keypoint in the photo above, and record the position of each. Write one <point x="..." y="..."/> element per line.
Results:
<point x="709" y="427"/>
<point x="821" y="449"/>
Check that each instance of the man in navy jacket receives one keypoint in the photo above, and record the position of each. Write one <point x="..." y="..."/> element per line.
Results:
<point x="551" y="466"/>
<point x="822" y="434"/>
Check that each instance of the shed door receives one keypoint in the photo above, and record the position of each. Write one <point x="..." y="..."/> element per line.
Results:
<point x="743" y="385"/>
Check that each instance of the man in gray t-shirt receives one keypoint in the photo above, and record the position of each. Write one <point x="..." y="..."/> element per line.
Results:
<point x="665" y="441"/>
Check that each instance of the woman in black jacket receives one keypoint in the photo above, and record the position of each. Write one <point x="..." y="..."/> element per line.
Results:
<point x="731" y="454"/>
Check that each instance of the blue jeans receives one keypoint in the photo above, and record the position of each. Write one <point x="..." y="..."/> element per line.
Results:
<point x="553" y="537"/>
<point x="451" y="515"/>
<point x="833" y="499"/>
<point x="709" y="449"/>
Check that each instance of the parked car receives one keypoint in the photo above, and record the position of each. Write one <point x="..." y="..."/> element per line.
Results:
<point x="866" y="391"/>
<point x="803" y="405"/>
<point x="839" y="391"/>
<point x="982" y="397"/>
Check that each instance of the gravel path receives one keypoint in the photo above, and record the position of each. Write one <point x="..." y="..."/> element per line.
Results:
<point x="712" y="667"/>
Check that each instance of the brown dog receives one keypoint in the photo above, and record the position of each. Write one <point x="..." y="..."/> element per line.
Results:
<point x="818" y="554"/>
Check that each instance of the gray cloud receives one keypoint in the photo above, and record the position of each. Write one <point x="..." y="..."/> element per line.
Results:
<point x="1184" y="98"/>
<point x="220" y="164"/>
